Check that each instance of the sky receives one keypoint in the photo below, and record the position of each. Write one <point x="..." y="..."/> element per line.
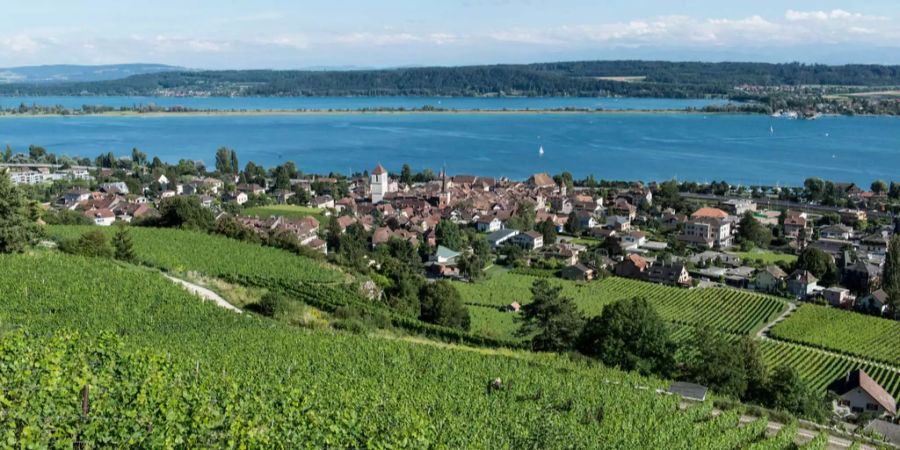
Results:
<point x="282" y="34"/>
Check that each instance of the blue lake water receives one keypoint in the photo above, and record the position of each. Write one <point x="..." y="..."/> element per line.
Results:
<point x="292" y="103"/>
<point x="633" y="146"/>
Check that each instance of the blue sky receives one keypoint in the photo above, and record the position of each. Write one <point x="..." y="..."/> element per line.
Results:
<point x="386" y="33"/>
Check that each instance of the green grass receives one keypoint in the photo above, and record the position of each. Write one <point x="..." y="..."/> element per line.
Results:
<point x="289" y="211"/>
<point x="215" y="256"/>
<point x="726" y="310"/>
<point x="841" y="331"/>
<point x="767" y="257"/>
<point x="185" y="373"/>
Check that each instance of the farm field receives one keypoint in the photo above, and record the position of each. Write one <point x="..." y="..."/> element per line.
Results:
<point x="820" y="369"/>
<point x="726" y="310"/>
<point x="840" y="331"/>
<point x="290" y="211"/>
<point x="217" y="256"/>
<point x="157" y="378"/>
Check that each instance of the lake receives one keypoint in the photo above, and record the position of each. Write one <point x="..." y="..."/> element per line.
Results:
<point x="626" y="146"/>
<point x="293" y="103"/>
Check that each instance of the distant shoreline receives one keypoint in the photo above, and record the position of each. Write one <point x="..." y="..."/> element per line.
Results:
<point x="342" y="112"/>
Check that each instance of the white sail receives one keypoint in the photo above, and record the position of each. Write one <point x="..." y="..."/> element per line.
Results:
<point x="541" y="150"/>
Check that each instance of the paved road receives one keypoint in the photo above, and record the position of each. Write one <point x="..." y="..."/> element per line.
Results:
<point x="764" y="332"/>
<point x="204" y="293"/>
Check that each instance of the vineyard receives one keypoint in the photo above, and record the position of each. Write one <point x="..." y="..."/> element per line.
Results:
<point x="868" y="337"/>
<point x="179" y="251"/>
<point x="727" y="310"/>
<point x="289" y="211"/>
<point x="819" y="369"/>
<point x="111" y="355"/>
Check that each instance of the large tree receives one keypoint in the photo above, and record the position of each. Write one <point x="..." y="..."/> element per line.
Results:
<point x="630" y="334"/>
<point x="890" y="279"/>
<point x="553" y="321"/>
<point x="750" y="230"/>
<point x="442" y="305"/>
<point x="819" y="263"/>
<point x="18" y="229"/>
<point x="449" y="235"/>
<point x="184" y="212"/>
<point x="710" y="359"/>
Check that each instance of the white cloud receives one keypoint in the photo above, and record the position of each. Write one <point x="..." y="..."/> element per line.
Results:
<point x="835" y="14"/>
<point x="19" y="43"/>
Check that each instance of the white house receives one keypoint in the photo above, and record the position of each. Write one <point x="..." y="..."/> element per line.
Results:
<point x="858" y="393"/>
<point x="102" y="217"/>
<point x="500" y="237"/>
<point x="529" y="240"/>
<point x="488" y="224"/>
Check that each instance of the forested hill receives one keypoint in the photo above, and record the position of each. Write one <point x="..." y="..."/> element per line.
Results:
<point x="587" y="78"/>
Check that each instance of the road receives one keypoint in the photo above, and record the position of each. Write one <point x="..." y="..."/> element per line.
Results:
<point x="769" y="203"/>
<point x="764" y="331"/>
<point x="204" y="293"/>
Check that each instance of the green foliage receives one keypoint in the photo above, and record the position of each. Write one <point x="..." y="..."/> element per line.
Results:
<point x="449" y="235"/>
<point x="714" y="360"/>
<point x="441" y="305"/>
<point x="272" y="303"/>
<point x="18" y="230"/>
<point x="819" y="263"/>
<point x="891" y="276"/>
<point x="786" y="391"/>
<point x="843" y="332"/>
<point x="66" y="217"/>
<point x="92" y="243"/>
<point x="184" y="212"/>
<point x="552" y="320"/>
<point x="226" y="161"/>
<point x="750" y="230"/>
<point x="123" y="245"/>
<point x="548" y="230"/>
<point x="631" y="335"/>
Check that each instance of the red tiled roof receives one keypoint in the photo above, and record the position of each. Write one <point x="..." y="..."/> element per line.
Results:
<point x="714" y="213"/>
<point x="379" y="170"/>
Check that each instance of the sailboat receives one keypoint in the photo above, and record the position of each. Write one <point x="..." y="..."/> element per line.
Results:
<point x="541" y="151"/>
<point x="771" y="129"/>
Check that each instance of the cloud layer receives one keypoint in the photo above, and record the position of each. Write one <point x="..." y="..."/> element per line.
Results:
<point x="397" y="46"/>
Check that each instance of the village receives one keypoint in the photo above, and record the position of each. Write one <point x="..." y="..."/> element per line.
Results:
<point x="574" y="232"/>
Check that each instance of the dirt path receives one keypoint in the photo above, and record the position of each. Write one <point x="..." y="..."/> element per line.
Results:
<point x="204" y="293"/>
<point x="764" y="331"/>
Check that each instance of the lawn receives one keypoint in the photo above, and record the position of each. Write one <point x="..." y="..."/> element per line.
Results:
<point x="289" y="211"/>
<point x="767" y="257"/>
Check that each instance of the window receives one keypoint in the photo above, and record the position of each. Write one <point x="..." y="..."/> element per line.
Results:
<point x="856" y="409"/>
<point x="871" y="407"/>
<point x="844" y="402"/>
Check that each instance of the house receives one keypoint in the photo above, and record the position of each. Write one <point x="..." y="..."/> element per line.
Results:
<point x="586" y="219"/>
<point x="562" y="205"/>
<point x="513" y="307"/>
<point x="852" y="216"/>
<point x="861" y="276"/>
<point x="76" y="196"/>
<point x="837" y="232"/>
<point x="859" y="393"/>
<point x="529" y="240"/>
<point x="118" y="187"/>
<point x="633" y="266"/>
<point x="444" y="255"/>
<point x="874" y="303"/>
<point x="102" y="217"/>
<point x="874" y="243"/>
<point x="488" y="224"/>
<point x="739" y="206"/>
<point x="253" y="188"/>
<point x="238" y="197"/>
<point x="707" y="231"/>
<point x="673" y="274"/>
<point x="633" y="238"/>
<point x="322" y="202"/>
<point x="770" y="279"/>
<point x="618" y="223"/>
<point x="577" y="272"/>
<point x="838" y="297"/>
<point x="709" y="213"/>
<point x="802" y="284"/>
<point x="621" y="207"/>
<point x="796" y="225"/>
<point x="500" y="237"/>
<point x="541" y="181"/>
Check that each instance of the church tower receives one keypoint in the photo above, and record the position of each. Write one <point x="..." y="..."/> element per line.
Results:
<point x="444" y="199"/>
<point x="378" y="184"/>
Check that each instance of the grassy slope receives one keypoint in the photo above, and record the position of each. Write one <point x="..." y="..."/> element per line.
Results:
<point x="291" y="211"/>
<point x="238" y="379"/>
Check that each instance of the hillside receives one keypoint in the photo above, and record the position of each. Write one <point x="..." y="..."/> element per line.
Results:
<point x="583" y="78"/>
<point x="64" y="73"/>
<point x="165" y="369"/>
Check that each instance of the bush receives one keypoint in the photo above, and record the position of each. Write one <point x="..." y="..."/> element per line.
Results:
<point x="92" y="243"/>
<point x="272" y="304"/>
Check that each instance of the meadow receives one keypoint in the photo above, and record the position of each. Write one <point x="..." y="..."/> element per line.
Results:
<point x="165" y="369"/>
<point x="289" y="211"/>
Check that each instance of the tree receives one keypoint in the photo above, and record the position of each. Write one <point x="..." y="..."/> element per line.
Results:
<point x="786" y="391"/>
<point x="879" y="187"/>
<point x="573" y="224"/>
<point x="442" y="305"/>
<point x="234" y="162"/>
<point x="92" y="243"/>
<point x="819" y="263"/>
<point x="554" y="321"/>
<point x="224" y="161"/>
<point x="890" y="279"/>
<point x="123" y="245"/>
<point x="750" y="230"/>
<point x="449" y="235"/>
<point x="184" y="212"/>
<point x="17" y="229"/>
<point x="282" y="177"/>
<point x="406" y="176"/>
<point x="403" y="286"/>
<point x="814" y="189"/>
<point x="7" y="155"/>
<point x="470" y="266"/>
<point x="711" y="360"/>
<point x="36" y="152"/>
<point x="630" y="334"/>
<point x="894" y="190"/>
<point x="548" y="230"/>
<point x="138" y="157"/>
